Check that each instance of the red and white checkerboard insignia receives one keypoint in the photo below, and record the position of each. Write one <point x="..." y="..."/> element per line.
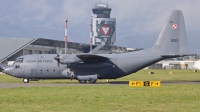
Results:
<point x="174" y="26"/>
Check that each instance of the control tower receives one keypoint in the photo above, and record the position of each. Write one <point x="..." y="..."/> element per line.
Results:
<point x="103" y="27"/>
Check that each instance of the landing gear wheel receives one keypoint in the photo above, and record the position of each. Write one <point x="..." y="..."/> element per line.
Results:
<point x="25" y="80"/>
<point x="92" y="81"/>
<point x="82" y="81"/>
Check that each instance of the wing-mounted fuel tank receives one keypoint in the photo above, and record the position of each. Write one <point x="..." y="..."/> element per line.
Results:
<point x="87" y="77"/>
<point x="87" y="71"/>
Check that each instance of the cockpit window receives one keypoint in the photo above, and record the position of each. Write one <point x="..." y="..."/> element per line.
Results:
<point x="19" y="60"/>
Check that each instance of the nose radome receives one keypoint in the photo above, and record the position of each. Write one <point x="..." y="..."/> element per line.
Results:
<point x="1" y="68"/>
<point x="8" y="70"/>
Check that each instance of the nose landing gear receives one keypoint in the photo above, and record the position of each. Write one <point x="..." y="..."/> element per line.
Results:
<point x="25" y="80"/>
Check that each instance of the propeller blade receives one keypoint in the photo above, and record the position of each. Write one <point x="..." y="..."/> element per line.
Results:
<point x="58" y="58"/>
<point x="1" y="67"/>
<point x="60" y="50"/>
<point x="58" y="62"/>
<point x="5" y="63"/>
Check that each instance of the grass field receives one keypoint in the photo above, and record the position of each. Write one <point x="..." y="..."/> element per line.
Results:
<point x="105" y="98"/>
<point x="168" y="98"/>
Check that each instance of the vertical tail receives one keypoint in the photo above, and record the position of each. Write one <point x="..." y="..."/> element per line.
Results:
<point x="173" y="38"/>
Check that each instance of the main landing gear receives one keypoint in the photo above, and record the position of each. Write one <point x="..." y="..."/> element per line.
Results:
<point x="90" y="81"/>
<point x="25" y="80"/>
<point x="82" y="81"/>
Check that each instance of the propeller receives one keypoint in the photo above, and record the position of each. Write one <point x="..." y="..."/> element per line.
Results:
<point x="6" y="63"/>
<point x="1" y="67"/>
<point x="57" y="58"/>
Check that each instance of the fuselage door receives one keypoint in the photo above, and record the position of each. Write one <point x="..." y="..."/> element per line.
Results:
<point x="33" y="72"/>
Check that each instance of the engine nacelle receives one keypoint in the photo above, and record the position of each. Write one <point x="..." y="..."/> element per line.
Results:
<point x="87" y="77"/>
<point x="68" y="73"/>
<point x="68" y="58"/>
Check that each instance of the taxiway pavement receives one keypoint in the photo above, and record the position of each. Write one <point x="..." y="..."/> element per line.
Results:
<point x="14" y="85"/>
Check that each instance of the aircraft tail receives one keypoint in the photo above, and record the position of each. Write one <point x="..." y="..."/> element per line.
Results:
<point x="173" y="38"/>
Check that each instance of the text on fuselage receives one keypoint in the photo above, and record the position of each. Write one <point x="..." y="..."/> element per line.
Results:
<point x="39" y="61"/>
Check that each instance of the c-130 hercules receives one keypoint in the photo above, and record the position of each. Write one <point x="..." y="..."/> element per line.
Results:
<point x="171" y="43"/>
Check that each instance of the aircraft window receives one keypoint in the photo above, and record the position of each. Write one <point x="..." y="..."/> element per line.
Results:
<point x="47" y="70"/>
<point x="54" y="70"/>
<point x="102" y="12"/>
<point x="17" y="66"/>
<point x="22" y="60"/>
<point x="40" y="70"/>
<point x="19" y="60"/>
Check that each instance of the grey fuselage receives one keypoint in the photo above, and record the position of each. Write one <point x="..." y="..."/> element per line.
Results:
<point x="43" y="66"/>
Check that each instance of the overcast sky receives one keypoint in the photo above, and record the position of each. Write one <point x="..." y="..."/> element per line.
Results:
<point x="138" y="21"/>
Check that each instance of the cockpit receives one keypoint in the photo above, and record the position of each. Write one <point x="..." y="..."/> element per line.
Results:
<point x="19" y="60"/>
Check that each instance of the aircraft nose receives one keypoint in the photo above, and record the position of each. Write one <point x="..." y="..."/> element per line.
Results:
<point x="8" y="70"/>
<point x="1" y="68"/>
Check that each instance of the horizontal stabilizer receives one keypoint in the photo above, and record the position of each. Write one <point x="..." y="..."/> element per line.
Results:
<point x="177" y="55"/>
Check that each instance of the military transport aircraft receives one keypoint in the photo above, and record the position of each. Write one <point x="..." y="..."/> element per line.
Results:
<point x="171" y="43"/>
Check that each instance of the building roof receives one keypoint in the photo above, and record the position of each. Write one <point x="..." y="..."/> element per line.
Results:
<point x="10" y="46"/>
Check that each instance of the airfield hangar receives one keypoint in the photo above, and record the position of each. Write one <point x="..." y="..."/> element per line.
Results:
<point x="11" y="48"/>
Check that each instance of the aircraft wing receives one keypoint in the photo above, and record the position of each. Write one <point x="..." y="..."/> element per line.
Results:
<point x="91" y="57"/>
<point x="177" y="55"/>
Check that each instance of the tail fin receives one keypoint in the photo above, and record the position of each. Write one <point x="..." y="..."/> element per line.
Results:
<point x="173" y="38"/>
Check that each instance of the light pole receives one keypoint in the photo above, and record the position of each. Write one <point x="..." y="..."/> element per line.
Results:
<point x="91" y="40"/>
<point x="66" y="37"/>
